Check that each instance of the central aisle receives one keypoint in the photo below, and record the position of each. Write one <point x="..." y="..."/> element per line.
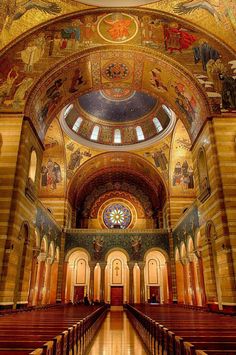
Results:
<point x="117" y="337"/>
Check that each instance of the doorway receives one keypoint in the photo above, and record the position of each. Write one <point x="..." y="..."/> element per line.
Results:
<point x="78" y="293"/>
<point x="155" y="292"/>
<point x="116" y="295"/>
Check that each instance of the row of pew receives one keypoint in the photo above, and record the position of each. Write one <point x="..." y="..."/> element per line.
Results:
<point x="60" y="330"/>
<point x="172" y="330"/>
<point x="6" y="311"/>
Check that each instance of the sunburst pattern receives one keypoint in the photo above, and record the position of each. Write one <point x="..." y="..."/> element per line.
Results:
<point x="117" y="216"/>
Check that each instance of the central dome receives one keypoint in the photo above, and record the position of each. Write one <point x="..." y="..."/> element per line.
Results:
<point x="117" y="117"/>
<point x="117" y="105"/>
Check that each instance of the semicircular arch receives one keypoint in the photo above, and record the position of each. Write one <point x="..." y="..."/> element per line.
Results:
<point x="113" y="249"/>
<point x="118" y="162"/>
<point x="75" y="250"/>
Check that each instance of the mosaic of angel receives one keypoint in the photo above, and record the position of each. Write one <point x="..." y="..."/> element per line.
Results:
<point x="13" y="10"/>
<point x="223" y="11"/>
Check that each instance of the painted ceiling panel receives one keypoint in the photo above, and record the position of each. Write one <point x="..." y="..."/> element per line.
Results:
<point x="167" y="58"/>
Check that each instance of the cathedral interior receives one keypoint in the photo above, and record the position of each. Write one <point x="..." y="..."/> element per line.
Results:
<point x="118" y="153"/>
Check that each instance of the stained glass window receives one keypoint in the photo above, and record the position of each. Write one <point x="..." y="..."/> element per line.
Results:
<point x="67" y="110"/>
<point x="117" y="216"/>
<point x="94" y="135"/>
<point x="167" y="110"/>
<point x="140" y="134"/>
<point x="117" y="136"/>
<point x="77" y="124"/>
<point x="157" y="124"/>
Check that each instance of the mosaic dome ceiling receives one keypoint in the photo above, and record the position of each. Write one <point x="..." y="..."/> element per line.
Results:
<point x="117" y="105"/>
<point x="101" y="122"/>
<point x="117" y="54"/>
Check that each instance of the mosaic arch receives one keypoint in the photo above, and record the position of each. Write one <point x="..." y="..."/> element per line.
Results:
<point x="217" y="17"/>
<point x="123" y="163"/>
<point x="178" y="85"/>
<point x="60" y="39"/>
<point x="142" y="203"/>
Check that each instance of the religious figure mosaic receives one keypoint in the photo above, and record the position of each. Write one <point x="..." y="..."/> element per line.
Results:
<point x="117" y="27"/>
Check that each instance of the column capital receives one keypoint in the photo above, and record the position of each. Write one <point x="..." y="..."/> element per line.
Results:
<point x="103" y="264"/>
<point x="141" y="265"/>
<point x="198" y="252"/>
<point x="36" y="252"/>
<point x="184" y="260"/>
<point x="42" y="257"/>
<point x="49" y="260"/>
<point x="92" y="264"/>
<point x="131" y="264"/>
<point x="191" y="257"/>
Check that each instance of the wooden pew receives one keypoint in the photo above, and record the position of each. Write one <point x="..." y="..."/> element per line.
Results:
<point x="59" y="331"/>
<point x="186" y="331"/>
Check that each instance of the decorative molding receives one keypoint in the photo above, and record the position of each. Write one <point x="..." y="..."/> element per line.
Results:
<point x="113" y="231"/>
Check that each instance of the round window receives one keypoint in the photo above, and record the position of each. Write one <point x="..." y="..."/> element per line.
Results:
<point x="117" y="215"/>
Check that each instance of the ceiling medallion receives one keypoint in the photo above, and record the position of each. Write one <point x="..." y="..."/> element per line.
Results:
<point x="117" y="27"/>
<point x="116" y="71"/>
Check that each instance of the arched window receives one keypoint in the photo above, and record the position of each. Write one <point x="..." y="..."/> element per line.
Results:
<point x="95" y="132"/>
<point x="77" y="124"/>
<point x="167" y="110"/>
<point x="33" y="166"/>
<point x="117" y="136"/>
<point x="139" y="132"/>
<point x="67" y="110"/>
<point x="157" y="124"/>
<point x="204" y="185"/>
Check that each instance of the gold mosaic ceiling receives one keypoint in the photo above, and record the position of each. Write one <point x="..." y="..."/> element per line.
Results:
<point x="177" y="61"/>
<point x="215" y="16"/>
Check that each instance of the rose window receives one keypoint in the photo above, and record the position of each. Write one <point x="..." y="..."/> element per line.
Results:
<point x="117" y="216"/>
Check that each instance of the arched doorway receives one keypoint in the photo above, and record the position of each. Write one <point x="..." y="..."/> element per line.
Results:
<point x="117" y="278"/>
<point x="156" y="277"/>
<point x="77" y="276"/>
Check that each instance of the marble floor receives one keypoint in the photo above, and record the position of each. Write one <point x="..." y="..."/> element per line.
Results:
<point x="117" y="337"/>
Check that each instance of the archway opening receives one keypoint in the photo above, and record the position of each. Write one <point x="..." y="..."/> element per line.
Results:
<point x="156" y="277"/>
